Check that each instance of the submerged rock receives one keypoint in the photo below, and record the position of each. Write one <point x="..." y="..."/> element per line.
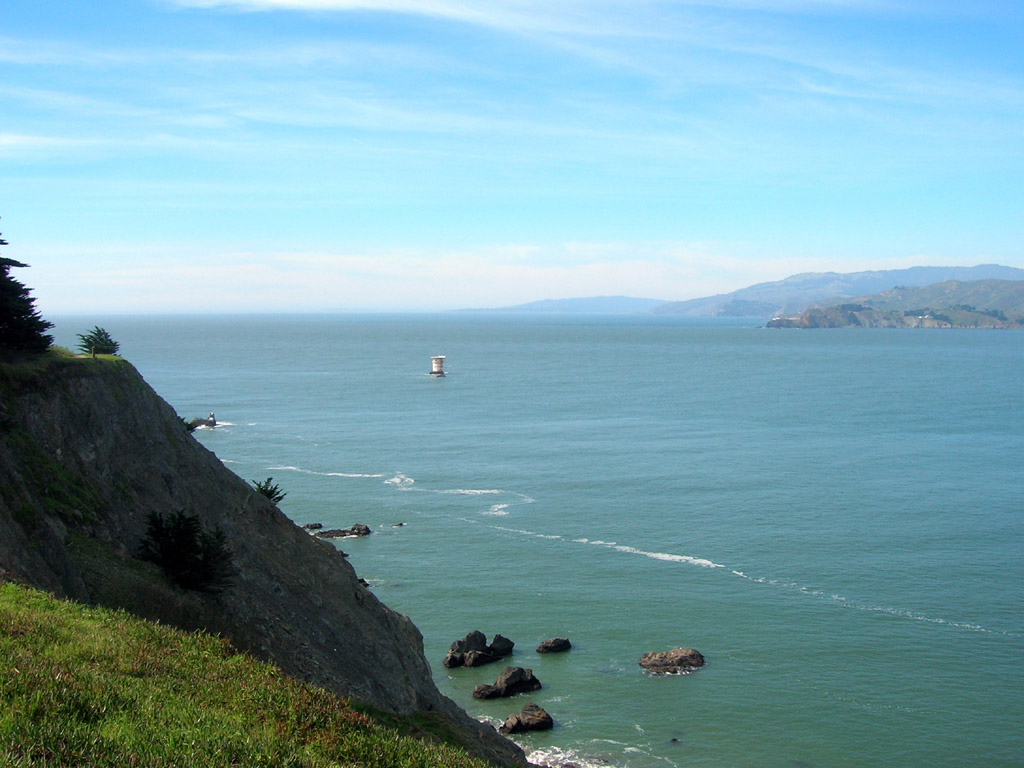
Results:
<point x="510" y="682"/>
<point x="554" y="645"/>
<point x="531" y="718"/>
<point x="675" y="662"/>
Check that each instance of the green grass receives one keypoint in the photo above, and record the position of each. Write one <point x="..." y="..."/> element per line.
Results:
<point x="92" y="687"/>
<point x="21" y="372"/>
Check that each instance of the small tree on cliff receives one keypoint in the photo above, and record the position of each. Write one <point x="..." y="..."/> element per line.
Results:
<point x="22" y="329"/>
<point x="270" y="489"/>
<point x="97" y="342"/>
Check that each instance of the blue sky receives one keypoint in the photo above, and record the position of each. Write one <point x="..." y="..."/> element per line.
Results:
<point x="312" y="155"/>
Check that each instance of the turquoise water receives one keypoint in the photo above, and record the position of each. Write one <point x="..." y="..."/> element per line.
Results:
<point x="833" y="518"/>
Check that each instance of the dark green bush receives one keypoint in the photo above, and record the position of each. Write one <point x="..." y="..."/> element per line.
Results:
<point x="189" y="555"/>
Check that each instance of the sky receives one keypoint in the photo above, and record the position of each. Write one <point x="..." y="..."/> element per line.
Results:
<point x="411" y="155"/>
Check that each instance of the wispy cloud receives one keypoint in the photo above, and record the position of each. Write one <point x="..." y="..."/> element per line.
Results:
<point x="164" y="279"/>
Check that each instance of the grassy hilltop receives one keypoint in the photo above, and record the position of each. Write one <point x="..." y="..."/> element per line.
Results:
<point x="84" y="686"/>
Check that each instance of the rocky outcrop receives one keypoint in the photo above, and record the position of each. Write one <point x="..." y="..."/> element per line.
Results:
<point x="343" y="533"/>
<point x="554" y="645"/>
<point x="473" y="650"/>
<point x="209" y="421"/>
<point x="675" y="662"/>
<point x="531" y="718"/>
<point x="88" y="450"/>
<point x="510" y="682"/>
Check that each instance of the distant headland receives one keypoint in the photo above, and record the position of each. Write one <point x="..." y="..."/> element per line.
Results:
<point x="792" y="296"/>
<point x="949" y="304"/>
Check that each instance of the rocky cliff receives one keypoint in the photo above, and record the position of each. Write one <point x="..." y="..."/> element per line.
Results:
<point x="88" y="450"/>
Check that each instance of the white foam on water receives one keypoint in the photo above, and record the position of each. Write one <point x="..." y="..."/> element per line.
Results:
<point x="844" y="602"/>
<point x="668" y="557"/>
<point x="534" y="534"/>
<point x="498" y="510"/>
<point x="400" y="481"/>
<point x="470" y="492"/>
<point x="553" y="757"/>
<point x="322" y="474"/>
<point x="833" y="598"/>
<point x="665" y="556"/>
<point x="602" y="753"/>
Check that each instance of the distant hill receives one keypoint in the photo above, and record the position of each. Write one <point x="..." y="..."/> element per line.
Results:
<point x="949" y="304"/>
<point x="798" y="292"/>
<point x="605" y="305"/>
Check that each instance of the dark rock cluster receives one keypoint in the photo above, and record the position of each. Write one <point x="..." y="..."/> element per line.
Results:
<point x="474" y="651"/>
<point x="343" y="533"/>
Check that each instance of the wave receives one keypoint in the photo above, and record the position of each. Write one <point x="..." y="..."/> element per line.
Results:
<point x="498" y="510"/>
<point x="554" y="757"/>
<point x="830" y="597"/>
<point x="400" y="481"/>
<point x="666" y="556"/>
<point x="469" y="492"/>
<point x="903" y="613"/>
<point x="323" y="474"/>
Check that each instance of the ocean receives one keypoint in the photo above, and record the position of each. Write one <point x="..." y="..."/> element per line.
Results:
<point x="834" y="518"/>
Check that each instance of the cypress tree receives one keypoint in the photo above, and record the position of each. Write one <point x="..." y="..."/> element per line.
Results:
<point x="22" y="329"/>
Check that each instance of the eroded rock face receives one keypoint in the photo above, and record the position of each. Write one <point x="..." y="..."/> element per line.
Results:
<point x="675" y="662"/>
<point x="97" y="429"/>
<point x="554" y="645"/>
<point x="511" y="681"/>
<point x="531" y="718"/>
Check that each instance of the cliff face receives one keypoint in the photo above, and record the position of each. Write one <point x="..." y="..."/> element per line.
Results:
<point x="88" y="450"/>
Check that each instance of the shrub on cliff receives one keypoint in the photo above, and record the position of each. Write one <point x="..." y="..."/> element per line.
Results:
<point x="22" y="329"/>
<point x="189" y="555"/>
<point x="270" y="489"/>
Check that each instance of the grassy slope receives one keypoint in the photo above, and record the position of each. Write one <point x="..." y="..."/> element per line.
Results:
<point x="87" y="686"/>
<point x="1005" y="295"/>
